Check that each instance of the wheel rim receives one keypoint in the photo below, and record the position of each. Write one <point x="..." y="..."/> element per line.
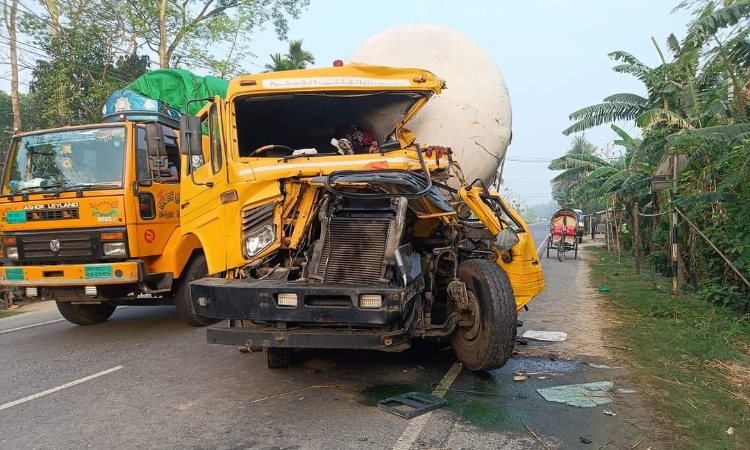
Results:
<point x="469" y="333"/>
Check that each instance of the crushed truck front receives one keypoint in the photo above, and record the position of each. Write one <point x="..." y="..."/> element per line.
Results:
<point x="310" y="247"/>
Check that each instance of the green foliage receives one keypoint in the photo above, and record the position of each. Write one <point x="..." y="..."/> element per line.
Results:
<point x="695" y="104"/>
<point x="295" y="58"/>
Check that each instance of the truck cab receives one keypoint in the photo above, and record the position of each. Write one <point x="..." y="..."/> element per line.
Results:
<point x="88" y="218"/>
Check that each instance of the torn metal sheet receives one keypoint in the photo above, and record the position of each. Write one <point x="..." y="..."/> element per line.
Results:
<point x="581" y="395"/>
<point x="553" y="336"/>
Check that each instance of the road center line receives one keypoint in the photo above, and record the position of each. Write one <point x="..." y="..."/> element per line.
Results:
<point x="58" y="388"/>
<point x="411" y="433"/>
<point x="544" y="241"/>
<point x="31" y="326"/>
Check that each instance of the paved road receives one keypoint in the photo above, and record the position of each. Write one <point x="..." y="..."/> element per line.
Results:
<point x="145" y="380"/>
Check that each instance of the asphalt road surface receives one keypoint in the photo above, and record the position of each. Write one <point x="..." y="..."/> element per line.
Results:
<point x="144" y="380"/>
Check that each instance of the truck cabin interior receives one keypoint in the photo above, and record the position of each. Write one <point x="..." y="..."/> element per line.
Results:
<point x="304" y="121"/>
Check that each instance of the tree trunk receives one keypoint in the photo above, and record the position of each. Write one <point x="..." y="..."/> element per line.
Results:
<point x="10" y="24"/>
<point x="163" y="54"/>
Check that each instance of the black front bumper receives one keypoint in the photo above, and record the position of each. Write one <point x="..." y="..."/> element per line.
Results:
<point x="312" y="323"/>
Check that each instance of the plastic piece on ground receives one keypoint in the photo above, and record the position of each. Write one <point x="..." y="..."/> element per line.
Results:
<point x="411" y="404"/>
<point x="553" y="336"/>
<point x="599" y="366"/>
<point x="580" y="395"/>
<point x="609" y="413"/>
<point x="604" y="289"/>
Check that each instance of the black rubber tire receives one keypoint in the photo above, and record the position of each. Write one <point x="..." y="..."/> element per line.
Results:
<point x="549" y="245"/>
<point x="575" y="251"/>
<point x="561" y="250"/>
<point x="278" y="358"/>
<point x="495" y="335"/>
<point x="81" y="314"/>
<point x="197" y="268"/>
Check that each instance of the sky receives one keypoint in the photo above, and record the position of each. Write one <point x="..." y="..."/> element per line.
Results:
<point x="553" y="55"/>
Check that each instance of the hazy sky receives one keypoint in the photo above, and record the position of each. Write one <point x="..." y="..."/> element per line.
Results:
<point x="553" y="54"/>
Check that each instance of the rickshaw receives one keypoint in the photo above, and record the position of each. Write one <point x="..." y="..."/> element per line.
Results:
<point x="563" y="233"/>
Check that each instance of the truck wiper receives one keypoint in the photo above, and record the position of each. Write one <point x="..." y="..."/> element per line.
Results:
<point x="306" y="155"/>
<point x="76" y="187"/>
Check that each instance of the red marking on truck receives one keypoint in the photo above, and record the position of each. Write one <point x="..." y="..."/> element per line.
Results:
<point x="149" y="236"/>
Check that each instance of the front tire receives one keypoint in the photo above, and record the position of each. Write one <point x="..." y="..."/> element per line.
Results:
<point x="278" y="358"/>
<point x="197" y="269"/>
<point x="561" y="250"/>
<point x="83" y="314"/>
<point x="488" y="342"/>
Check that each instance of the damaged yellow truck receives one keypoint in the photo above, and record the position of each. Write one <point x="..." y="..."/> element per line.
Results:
<point x="314" y="243"/>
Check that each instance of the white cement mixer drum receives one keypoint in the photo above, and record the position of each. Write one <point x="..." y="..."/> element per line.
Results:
<point x="472" y="115"/>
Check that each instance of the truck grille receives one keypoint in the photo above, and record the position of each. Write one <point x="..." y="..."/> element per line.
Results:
<point x="37" y="246"/>
<point x="70" y="246"/>
<point x="52" y="214"/>
<point x="354" y="251"/>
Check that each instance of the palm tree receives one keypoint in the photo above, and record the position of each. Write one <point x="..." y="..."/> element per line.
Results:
<point x="581" y="146"/>
<point x="295" y="58"/>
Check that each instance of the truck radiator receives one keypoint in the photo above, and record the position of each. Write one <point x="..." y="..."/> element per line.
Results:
<point x="354" y="250"/>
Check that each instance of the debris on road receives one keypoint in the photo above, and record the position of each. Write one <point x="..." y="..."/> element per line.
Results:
<point x="585" y="395"/>
<point x="609" y="413"/>
<point x="519" y="377"/>
<point x="552" y="336"/>
<point x="411" y="404"/>
<point x="585" y="440"/>
<point x="317" y="386"/>
<point x="730" y="431"/>
<point x="604" y="289"/>
<point x="601" y="366"/>
<point x="536" y="437"/>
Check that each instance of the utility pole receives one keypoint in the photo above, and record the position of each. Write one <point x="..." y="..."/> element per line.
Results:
<point x="637" y="239"/>
<point x="673" y="228"/>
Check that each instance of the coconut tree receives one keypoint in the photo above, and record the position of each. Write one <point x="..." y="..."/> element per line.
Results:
<point x="295" y="58"/>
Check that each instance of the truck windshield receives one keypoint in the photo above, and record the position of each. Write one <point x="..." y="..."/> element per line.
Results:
<point x="84" y="157"/>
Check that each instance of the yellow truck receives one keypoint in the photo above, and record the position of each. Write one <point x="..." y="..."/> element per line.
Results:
<point x="88" y="217"/>
<point x="325" y="224"/>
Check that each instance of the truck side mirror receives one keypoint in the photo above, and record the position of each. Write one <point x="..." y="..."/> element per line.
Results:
<point x="155" y="145"/>
<point x="506" y="239"/>
<point x="191" y="140"/>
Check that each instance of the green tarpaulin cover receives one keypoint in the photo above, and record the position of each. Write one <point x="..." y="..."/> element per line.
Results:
<point x="176" y="87"/>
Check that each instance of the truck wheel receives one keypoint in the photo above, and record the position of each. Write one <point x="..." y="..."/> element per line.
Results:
<point x="485" y="337"/>
<point x="196" y="269"/>
<point x="81" y="314"/>
<point x="278" y="358"/>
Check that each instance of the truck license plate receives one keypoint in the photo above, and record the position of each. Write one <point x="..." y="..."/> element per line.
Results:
<point x="99" y="271"/>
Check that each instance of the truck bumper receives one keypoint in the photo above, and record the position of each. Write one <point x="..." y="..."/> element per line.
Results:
<point x="73" y="274"/>
<point x="325" y="316"/>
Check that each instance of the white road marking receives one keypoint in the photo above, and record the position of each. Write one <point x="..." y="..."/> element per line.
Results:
<point x="31" y="326"/>
<point x="58" y="388"/>
<point x="411" y="433"/>
<point x="544" y="241"/>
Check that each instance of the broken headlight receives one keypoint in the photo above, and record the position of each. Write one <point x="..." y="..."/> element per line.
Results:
<point x="258" y="240"/>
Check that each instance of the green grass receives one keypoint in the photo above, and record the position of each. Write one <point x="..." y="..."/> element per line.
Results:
<point x="682" y="349"/>
<point x="6" y="313"/>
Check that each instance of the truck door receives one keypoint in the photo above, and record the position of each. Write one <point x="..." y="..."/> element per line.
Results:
<point x="157" y="202"/>
<point x="201" y="209"/>
<point x="521" y="262"/>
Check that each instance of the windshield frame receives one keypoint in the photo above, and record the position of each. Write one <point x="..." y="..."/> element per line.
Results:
<point x="66" y="184"/>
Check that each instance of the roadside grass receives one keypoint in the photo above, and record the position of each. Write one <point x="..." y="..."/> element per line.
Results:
<point x="693" y="358"/>
<point x="7" y="313"/>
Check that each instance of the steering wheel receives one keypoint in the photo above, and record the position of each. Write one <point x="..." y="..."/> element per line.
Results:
<point x="266" y="148"/>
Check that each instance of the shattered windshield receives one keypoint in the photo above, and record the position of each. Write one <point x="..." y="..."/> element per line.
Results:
<point x="86" y="157"/>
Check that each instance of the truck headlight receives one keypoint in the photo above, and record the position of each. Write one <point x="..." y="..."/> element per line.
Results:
<point x="114" y="249"/>
<point x="11" y="253"/>
<point x="259" y="240"/>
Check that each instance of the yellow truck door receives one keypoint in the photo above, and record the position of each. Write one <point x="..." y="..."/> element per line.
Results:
<point x="201" y="209"/>
<point x="157" y="203"/>
<point x="521" y="263"/>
